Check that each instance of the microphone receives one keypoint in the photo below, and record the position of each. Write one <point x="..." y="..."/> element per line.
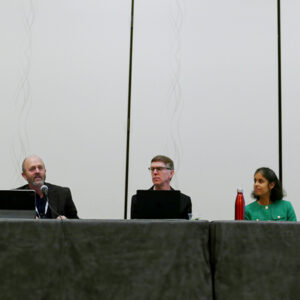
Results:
<point x="44" y="190"/>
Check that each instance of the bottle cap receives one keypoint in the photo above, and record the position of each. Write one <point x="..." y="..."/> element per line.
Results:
<point x="239" y="190"/>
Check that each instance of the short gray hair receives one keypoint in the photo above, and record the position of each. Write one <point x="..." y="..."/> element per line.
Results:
<point x="165" y="159"/>
<point x="24" y="161"/>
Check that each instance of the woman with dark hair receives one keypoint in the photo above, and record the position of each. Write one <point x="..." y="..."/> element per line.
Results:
<point x="269" y="205"/>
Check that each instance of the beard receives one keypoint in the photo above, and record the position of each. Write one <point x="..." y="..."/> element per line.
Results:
<point x="37" y="183"/>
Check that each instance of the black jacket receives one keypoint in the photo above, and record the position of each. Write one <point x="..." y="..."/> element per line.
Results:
<point x="60" y="201"/>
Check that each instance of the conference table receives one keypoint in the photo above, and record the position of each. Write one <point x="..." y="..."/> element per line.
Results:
<point x="149" y="259"/>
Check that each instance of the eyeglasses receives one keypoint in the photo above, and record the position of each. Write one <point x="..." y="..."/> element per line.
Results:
<point x="159" y="169"/>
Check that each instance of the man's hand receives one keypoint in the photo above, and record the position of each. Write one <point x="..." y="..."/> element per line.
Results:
<point x="61" y="218"/>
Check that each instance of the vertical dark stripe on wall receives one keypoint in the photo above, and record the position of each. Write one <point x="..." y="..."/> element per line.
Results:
<point x="279" y="90"/>
<point x="128" y="111"/>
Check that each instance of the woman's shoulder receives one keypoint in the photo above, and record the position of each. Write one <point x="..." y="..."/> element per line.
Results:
<point x="252" y="204"/>
<point x="282" y="203"/>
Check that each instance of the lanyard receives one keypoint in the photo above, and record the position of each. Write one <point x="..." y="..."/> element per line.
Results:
<point x="46" y="209"/>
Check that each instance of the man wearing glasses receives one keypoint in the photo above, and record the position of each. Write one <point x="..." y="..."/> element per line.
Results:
<point x="162" y="171"/>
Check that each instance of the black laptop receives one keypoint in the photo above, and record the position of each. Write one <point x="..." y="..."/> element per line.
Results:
<point x="18" y="204"/>
<point x="152" y="204"/>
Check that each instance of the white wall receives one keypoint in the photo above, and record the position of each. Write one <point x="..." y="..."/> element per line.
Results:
<point x="64" y="69"/>
<point x="204" y="92"/>
<point x="290" y="100"/>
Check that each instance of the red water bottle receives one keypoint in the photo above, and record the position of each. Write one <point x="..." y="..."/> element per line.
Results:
<point x="240" y="205"/>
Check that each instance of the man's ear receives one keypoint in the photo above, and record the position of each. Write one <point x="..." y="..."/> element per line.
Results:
<point x="24" y="176"/>
<point x="171" y="174"/>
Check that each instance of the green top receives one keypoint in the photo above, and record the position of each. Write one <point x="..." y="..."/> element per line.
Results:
<point x="280" y="210"/>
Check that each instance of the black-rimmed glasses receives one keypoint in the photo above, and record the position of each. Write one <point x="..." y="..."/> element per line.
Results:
<point x="158" y="169"/>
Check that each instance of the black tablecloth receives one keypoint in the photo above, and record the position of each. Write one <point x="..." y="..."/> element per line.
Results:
<point x="255" y="260"/>
<point x="76" y="259"/>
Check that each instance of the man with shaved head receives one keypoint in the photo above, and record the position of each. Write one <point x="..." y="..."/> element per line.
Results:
<point x="60" y="204"/>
